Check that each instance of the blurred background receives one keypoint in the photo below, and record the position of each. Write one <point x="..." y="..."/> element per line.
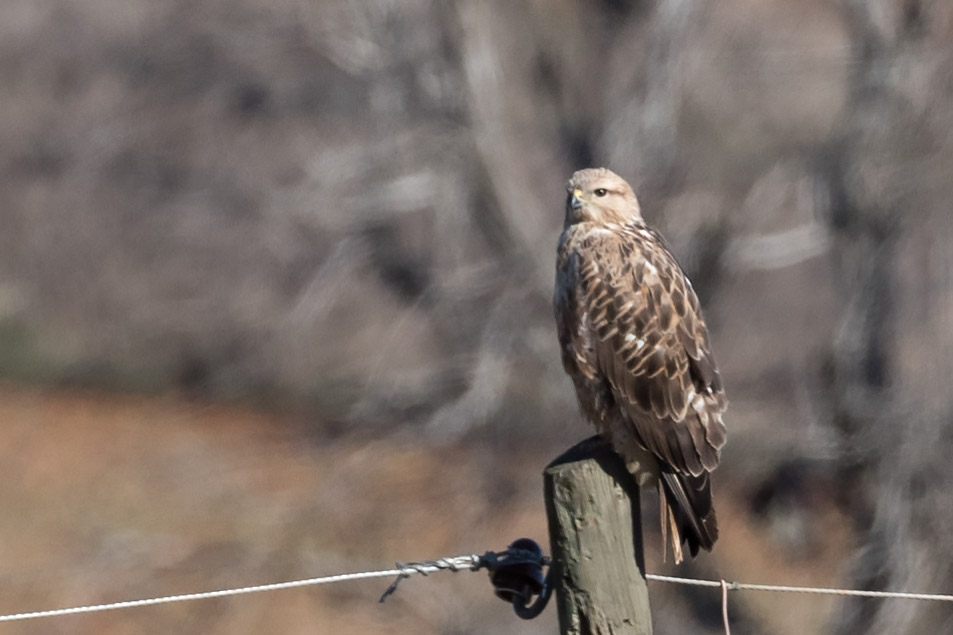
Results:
<point x="275" y="286"/>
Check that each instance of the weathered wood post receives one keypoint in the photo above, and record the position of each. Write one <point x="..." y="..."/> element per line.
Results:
<point x="595" y="534"/>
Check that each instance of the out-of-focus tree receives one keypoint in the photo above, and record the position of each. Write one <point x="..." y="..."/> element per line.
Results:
<point x="354" y="206"/>
<point x="894" y="345"/>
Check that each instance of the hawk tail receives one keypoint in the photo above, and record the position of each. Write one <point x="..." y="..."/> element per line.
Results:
<point x="687" y="513"/>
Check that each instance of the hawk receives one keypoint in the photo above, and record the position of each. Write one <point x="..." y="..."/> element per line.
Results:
<point x="633" y="340"/>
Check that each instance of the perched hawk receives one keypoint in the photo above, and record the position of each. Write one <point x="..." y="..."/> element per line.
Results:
<point x="635" y="344"/>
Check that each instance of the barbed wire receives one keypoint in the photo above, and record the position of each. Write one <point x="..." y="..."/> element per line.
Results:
<point x="470" y="562"/>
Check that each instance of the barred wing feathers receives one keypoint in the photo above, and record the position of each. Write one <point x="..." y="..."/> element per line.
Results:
<point x="650" y="342"/>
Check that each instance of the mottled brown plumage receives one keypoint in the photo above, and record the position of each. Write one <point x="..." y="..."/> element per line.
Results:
<point x="635" y="344"/>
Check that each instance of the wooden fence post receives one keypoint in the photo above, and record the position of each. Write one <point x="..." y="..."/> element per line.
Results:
<point x="595" y="534"/>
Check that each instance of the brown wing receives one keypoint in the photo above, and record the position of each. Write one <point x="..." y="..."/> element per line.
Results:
<point x="651" y="344"/>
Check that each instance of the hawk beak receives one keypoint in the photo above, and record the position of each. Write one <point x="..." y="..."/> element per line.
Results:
<point x="576" y="201"/>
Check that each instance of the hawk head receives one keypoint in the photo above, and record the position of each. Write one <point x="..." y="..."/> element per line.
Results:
<point x="599" y="195"/>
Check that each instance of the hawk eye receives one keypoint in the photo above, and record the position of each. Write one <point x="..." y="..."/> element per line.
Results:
<point x="601" y="191"/>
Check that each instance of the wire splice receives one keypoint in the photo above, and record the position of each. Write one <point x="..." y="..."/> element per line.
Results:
<point x="516" y="574"/>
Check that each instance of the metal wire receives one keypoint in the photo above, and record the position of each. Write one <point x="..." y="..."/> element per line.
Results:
<point x="457" y="563"/>
<point x="745" y="586"/>
<point x="470" y="562"/>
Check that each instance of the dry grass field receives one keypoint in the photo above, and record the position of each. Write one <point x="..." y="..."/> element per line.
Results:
<point x="110" y="498"/>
